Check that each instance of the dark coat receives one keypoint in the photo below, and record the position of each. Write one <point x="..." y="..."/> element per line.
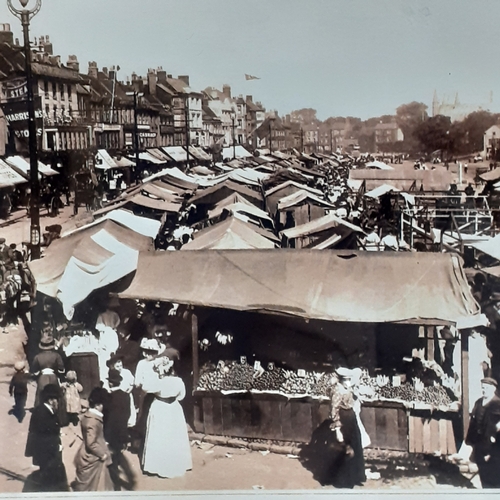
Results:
<point x="44" y="438"/>
<point x="116" y="416"/>
<point x="485" y="440"/>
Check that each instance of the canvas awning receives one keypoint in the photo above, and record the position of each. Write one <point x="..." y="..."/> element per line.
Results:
<point x="239" y="152"/>
<point x="230" y="234"/>
<point x="244" y="208"/>
<point x="378" y="164"/>
<point x="492" y="175"/>
<point x="374" y="287"/>
<point x="490" y="247"/>
<point x="177" y="153"/>
<point x="9" y="177"/>
<point x="300" y="197"/>
<point x="83" y="261"/>
<point x="147" y="156"/>
<point x="380" y="190"/>
<point x="22" y="166"/>
<point x="318" y="225"/>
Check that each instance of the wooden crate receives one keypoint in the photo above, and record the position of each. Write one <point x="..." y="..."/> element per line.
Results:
<point x="431" y="433"/>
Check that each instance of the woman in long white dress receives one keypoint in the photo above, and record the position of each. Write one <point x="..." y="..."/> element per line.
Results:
<point x="167" y="452"/>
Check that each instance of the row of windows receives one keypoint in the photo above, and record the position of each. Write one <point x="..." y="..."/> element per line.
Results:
<point x="60" y="90"/>
<point x="66" y="140"/>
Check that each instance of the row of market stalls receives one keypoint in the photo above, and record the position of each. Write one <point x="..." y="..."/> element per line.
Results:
<point x="288" y="316"/>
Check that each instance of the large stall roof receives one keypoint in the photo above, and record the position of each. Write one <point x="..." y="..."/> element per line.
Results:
<point x="211" y="195"/>
<point x="239" y="152"/>
<point x="374" y="287"/>
<point x="490" y="247"/>
<point x="491" y="175"/>
<point x="299" y="197"/>
<point x="178" y="153"/>
<point x="231" y="234"/>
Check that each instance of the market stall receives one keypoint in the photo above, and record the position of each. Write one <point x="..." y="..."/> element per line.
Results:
<point x="269" y="328"/>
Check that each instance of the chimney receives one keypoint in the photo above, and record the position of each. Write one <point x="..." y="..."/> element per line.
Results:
<point x="6" y="36"/>
<point x="73" y="63"/>
<point x="16" y="42"/>
<point x="185" y="79"/>
<point x="47" y="46"/>
<point x="105" y="70"/>
<point x="93" y="69"/>
<point x="112" y="73"/>
<point x="152" y="81"/>
<point x="226" y="90"/>
<point x="56" y="60"/>
<point x="169" y="76"/>
<point x="249" y="98"/>
<point x="161" y="76"/>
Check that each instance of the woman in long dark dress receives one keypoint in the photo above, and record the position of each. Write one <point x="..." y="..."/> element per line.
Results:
<point x="347" y="465"/>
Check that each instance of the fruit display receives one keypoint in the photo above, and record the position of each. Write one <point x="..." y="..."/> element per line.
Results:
<point x="237" y="376"/>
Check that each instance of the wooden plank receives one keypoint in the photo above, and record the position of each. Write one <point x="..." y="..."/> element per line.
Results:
<point x="443" y="435"/>
<point x="426" y="431"/>
<point x="286" y="420"/>
<point x="450" y="438"/>
<point x="381" y="426"/>
<point x="198" y="416"/>
<point x="301" y="422"/>
<point x="208" y="414"/>
<point x="403" y="430"/>
<point x="434" y="435"/>
<point x="246" y="418"/>
<point x="411" y="434"/>
<point x="217" y="416"/>
<point x="227" y="416"/>
<point x="268" y="429"/>
<point x="368" y="419"/>
<point x="418" y="428"/>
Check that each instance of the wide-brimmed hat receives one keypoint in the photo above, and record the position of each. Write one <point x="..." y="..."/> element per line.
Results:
<point x="150" y="345"/>
<point x="114" y="377"/>
<point x="51" y="391"/>
<point x="113" y="360"/>
<point x="490" y="381"/>
<point x="47" y="342"/>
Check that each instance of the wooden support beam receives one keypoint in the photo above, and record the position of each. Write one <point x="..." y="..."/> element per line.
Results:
<point x="194" y="340"/>
<point x="464" y="334"/>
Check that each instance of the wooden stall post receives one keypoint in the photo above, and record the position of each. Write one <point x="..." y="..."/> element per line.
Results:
<point x="194" y="340"/>
<point x="465" y="380"/>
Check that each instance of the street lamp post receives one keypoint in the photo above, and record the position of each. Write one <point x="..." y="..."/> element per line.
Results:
<point x="136" y="95"/>
<point x="25" y="14"/>
<point x="233" y="118"/>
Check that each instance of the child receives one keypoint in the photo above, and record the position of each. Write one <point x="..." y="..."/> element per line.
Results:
<point x="72" y="391"/>
<point x="19" y="388"/>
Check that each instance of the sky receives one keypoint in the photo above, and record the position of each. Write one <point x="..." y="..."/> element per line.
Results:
<point x="359" y="58"/>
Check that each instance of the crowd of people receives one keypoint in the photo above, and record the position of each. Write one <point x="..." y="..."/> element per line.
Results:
<point x="134" y="405"/>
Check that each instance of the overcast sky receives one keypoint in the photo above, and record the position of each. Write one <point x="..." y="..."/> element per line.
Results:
<point x="342" y="57"/>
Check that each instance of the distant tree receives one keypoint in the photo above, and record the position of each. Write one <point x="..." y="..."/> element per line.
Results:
<point x="409" y="117"/>
<point x="304" y="115"/>
<point x="366" y="142"/>
<point x="434" y="133"/>
<point x="474" y="126"/>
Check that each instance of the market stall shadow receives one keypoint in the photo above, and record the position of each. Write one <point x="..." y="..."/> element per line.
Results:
<point x="322" y="455"/>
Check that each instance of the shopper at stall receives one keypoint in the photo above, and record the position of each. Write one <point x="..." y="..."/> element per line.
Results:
<point x="44" y="443"/>
<point x="347" y="466"/>
<point x="484" y="434"/>
<point x="93" y="459"/>
<point x="479" y="365"/>
<point x="126" y="385"/>
<point x="116" y="419"/>
<point x="47" y="365"/>
<point x="145" y="376"/>
<point x="108" y="344"/>
<point x="167" y="452"/>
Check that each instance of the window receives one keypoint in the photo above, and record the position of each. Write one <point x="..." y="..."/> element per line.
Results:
<point x="69" y="91"/>
<point x="54" y="90"/>
<point x="55" y="112"/>
<point x="61" y="90"/>
<point x="46" y="88"/>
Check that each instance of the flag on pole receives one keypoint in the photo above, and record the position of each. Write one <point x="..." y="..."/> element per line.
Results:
<point x="251" y="77"/>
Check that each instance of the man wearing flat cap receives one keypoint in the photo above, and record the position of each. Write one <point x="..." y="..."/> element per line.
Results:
<point x="484" y="434"/>
<point x="44" y="443"/>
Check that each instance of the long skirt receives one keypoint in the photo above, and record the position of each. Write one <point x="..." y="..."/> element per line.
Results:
<point x="92" y="474"/>
<point x="167" y="452"/>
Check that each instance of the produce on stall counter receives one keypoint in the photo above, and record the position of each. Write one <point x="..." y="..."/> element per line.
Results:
<point x="233" y="376"/>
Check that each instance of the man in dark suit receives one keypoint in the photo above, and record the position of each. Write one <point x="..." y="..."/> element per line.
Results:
<point x="484" y="434"/>
<point x="44" y="443"/>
